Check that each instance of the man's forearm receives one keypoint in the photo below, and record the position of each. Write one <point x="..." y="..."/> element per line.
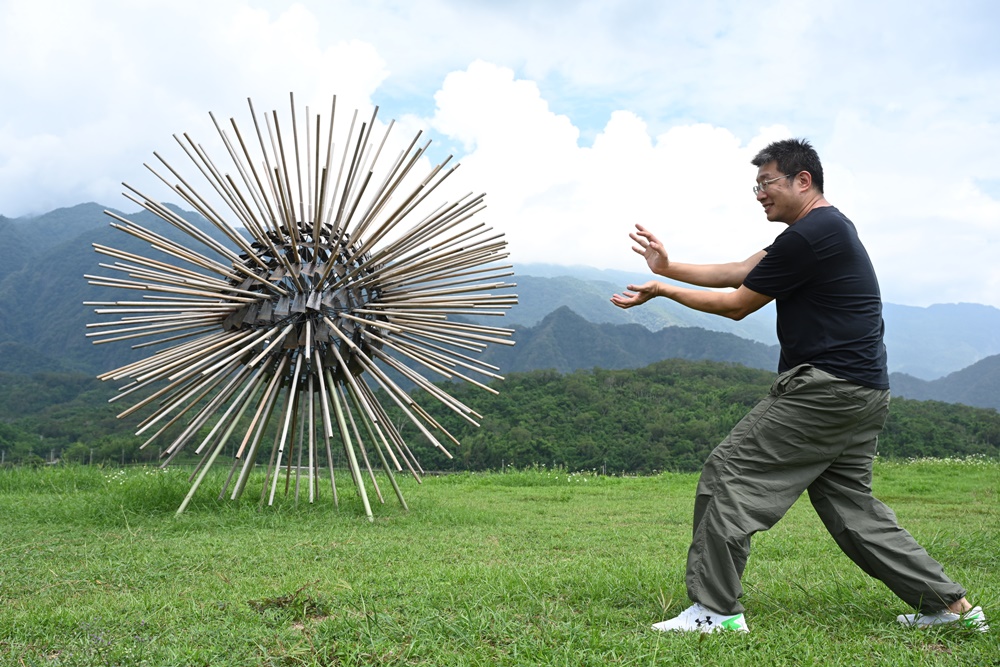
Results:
<point x="735" y="305"/>
<point x="730" y="274"/>
<point x="706" y="275"/>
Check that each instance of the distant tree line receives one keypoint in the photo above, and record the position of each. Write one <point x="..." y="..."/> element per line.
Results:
<point x="666" y="416"/>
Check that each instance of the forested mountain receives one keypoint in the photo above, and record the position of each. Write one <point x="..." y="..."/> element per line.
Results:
<point x="591" y="299"/>
<point x="588" y="385"/>
<point x="564" y="319"/>
<point x="43" y="261"/>
<point x="542" y="288"/>
<point x="565" y="341"/>
<point x="926" y="343"/>
<point x="929" y="343"/>
<point x="977" y="385"/>
<point x="664" y="416"/>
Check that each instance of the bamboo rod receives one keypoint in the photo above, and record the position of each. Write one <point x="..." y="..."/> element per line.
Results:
<point x="323" y="189"/>
<point x="336" y="203"/>
<point x="159" y="357"/>
<point x="294" y="433"/>
<point x="166" y="289"/>
<point x="200" y="418"/>
<point x="255" y="192"/>
<point x="349" y="184"/>
<point x="191" y="258"/>
<point x="349" y="451"/>
<point x="215" y="454"/>
<point x="327" y="424"/>
<point x="203" y="282"/>
<point x="219" y="183"/>
<point x="419" y="350"/>
<point x="235" y="411"/>
<point x="170" y="339"/>
<point x="277" y="183"/>
<point x="290" y="405"/>
<point x="272" y="206"/>
<point x="462" y="360"/>
<point x="453" y="404"/>
<point x="270" y="470"/>
<point x="187" y="398"/>
<point x="393" y="433"/>
<point x="361" y="444"/>
<point x="401" y="398"/>
<point x="312" y="435"/>
<point x="371" y="416"/>
<point x="378" y="449"/>
<point x="394" y="178"/>
<point x="272" y="393"/>
<point x="155" y="241"/>
<point x="202" y="206"/>
<point x="300" y="433"/>
<point x="298" y="163"/>
<point x="288" y="210"/>
<point x="154" y="327"/>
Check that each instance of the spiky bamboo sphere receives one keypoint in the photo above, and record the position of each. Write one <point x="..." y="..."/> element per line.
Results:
<point x="324" y="280"/>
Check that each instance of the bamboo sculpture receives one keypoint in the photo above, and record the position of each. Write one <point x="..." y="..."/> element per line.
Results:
<point x="327" y="280"/>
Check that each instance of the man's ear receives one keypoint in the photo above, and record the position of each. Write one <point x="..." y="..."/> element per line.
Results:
<point x="803" y="180"/>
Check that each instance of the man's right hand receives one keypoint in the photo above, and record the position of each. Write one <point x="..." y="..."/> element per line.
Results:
<point x="647" y="245"/>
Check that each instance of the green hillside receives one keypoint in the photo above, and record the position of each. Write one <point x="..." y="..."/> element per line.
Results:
<point x="665" y="416"/>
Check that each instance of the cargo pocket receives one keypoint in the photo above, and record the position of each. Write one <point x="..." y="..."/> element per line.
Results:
<point x="790" y="380"/>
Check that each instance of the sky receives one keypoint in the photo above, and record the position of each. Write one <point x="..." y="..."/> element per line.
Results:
<point x="577" y="119"/>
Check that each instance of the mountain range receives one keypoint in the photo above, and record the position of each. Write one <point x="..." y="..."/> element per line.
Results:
<point x="564" y="319"/>
<point x="924" y="342"/>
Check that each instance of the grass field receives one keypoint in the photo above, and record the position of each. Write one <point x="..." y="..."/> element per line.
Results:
<point x="534" y="567"/>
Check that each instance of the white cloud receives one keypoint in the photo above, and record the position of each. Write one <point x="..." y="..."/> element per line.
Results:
<point x="566" y="203"/>
<point x="98" y="88"/>
<point x="577" y="118"/>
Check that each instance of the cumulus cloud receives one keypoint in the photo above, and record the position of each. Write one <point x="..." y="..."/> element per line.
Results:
<point x="562" y="201"/>
<point x="92" y="91"/>
<point x="567" y="203"/>
<point x="577" y="118"/>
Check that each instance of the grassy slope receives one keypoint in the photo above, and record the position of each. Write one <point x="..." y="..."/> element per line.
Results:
<point x="524" y="568"/>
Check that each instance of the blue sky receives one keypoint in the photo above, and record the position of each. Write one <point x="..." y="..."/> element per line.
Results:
<point x="576" y="118"/>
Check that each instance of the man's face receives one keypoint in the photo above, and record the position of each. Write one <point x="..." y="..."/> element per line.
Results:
<point x="778" y="197"/>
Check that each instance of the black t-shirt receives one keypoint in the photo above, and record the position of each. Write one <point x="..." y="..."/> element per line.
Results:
<point x="828" y="301"/>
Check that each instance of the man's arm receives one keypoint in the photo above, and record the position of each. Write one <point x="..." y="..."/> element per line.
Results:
<point x="735" y="305"/>
<point x="730" y="274"/>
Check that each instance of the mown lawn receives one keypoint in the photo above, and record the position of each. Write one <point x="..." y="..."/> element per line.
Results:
<point x="533" y="567"/>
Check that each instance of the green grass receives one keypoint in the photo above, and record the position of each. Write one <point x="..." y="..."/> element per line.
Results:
<point x="525" y="568"/>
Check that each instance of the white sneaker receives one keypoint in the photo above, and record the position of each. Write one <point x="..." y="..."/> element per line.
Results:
<point x="973" y="619"/>
<point x="698" y="618"/>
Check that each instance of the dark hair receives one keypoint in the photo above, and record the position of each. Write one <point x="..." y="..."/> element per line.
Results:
<point x="792" y="156"/>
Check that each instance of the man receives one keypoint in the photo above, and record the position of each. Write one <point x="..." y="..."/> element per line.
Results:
<point x="818" y="428"/>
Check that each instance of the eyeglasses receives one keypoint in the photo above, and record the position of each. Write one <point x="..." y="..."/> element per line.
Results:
<point x="762" y="186"/>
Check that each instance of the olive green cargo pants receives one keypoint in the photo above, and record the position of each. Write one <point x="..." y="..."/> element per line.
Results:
<point x="812" y="432"/>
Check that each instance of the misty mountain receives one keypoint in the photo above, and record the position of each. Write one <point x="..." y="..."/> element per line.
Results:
<point x="43" y="261"/>
<point x="932" y="342"/>
<point x="978" y="385"/>
<point x="564" y="319"/>
<point x="542" y="288"/>
<point x="926" y="343"/>
<point x="566" y="342"/>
